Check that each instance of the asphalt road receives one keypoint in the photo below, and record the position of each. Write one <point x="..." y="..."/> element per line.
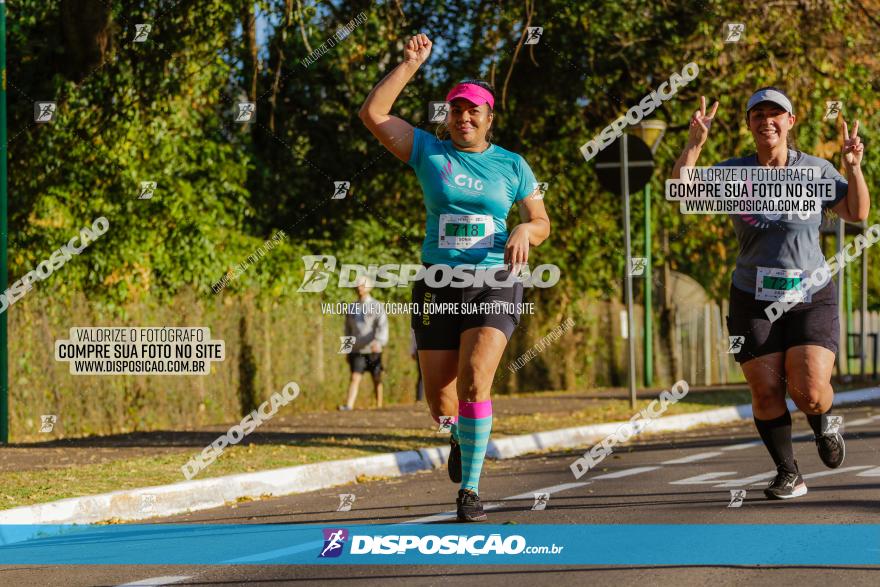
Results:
<point x="670" y="479"/>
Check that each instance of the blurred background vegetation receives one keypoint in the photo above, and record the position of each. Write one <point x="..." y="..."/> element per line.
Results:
<point x="163" y="110"/>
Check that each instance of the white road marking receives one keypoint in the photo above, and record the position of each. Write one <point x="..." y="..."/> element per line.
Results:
<point x="860" y="421"/>
<point x="761" y="477"/>
<point x="743" y="445"/>
<point x="446" y="515"/>
<point x="703" y="479"/>
<point x="626" y="473"/>
<point x="551" y="490"/>
<point x="757" y="479"/>
<point x="836" y="471"/>
<point x="700" y="456"/>
<point x="875" y="472"/>
<point x="156" y="581"/>
<point x="494" y="506"/>
<point x="751" y="443"/>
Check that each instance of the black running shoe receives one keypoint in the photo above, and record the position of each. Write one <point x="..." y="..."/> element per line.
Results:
<point x="786" y="485"/>
<point x="453" y="463"/>
<point x="832" y="450"/>
<point x="469" y="507"/>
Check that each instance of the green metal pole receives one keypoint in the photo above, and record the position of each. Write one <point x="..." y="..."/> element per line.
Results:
<point x="648" y="353"/>
<point x="847" y="280"/>
<point x="4" y="277"/>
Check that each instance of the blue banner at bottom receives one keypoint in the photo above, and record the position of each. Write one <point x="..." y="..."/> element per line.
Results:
<point x="416" y="544"/>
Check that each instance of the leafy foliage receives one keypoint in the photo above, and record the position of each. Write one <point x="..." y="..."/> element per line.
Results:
<point x="163" y="111"/>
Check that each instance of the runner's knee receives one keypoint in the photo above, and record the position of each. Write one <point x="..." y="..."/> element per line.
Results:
<point x="471" y="387"/>
<point x="767" y="393"/>
<point x="813" y="394"/>
<point x="441" y="401"/>
<point x="811" y="399"/>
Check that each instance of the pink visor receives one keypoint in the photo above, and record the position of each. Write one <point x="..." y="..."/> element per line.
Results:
<point x="472" y="93"/>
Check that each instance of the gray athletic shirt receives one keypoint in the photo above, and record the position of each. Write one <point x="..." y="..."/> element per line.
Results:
<point x="786" y="243"/>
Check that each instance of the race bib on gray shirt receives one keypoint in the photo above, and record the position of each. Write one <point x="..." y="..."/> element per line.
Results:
<point x="780" y="245"/>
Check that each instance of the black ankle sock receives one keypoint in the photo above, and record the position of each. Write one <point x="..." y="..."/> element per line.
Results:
<point x="815" y="421"/>
<point x="776" y="434"/>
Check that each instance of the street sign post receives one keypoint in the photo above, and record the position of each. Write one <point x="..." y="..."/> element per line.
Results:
<point x="623" y="167"/>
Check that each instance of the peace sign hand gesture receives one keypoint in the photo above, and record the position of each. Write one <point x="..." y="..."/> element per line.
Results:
<point x="700" y="123"/>
<point x="853" y="149"/>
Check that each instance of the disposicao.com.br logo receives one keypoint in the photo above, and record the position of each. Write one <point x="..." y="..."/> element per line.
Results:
<point x="431" y="544"/>
<point x="321" y="268"/>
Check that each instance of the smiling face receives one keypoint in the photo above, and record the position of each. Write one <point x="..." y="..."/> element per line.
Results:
<point x="770" y="124"/>
<point x="468" y="123"/>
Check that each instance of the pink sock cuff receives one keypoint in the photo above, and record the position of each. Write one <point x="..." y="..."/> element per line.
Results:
<point x="437" y="419"/>
<point x="475" y="409"/>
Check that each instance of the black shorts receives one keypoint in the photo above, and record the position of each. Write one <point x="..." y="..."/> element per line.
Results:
<point x="813" y="323"/>
<point x="442" y="331"/>
<point x="360" y="362"/>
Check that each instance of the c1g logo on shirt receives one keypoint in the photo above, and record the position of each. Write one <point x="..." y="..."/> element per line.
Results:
<point x="461" y="180"/>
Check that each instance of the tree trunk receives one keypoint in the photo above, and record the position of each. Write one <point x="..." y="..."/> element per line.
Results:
<point x="249" y="33"/>
<point x="279" y="65"/>
<point x="85" y="36"/>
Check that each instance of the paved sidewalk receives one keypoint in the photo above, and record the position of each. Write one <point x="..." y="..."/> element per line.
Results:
<point x="367" y="429"/>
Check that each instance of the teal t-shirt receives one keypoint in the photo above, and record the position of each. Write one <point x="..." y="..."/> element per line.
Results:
<point x="467" y="198"/>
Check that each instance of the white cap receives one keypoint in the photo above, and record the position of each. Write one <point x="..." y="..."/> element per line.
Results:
<point x="774" y="96"/>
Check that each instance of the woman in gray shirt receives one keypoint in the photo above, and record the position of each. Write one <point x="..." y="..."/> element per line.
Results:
<point x="794" y="351"/>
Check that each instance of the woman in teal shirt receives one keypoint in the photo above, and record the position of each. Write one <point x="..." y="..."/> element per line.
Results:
<point x="469" y="186"/>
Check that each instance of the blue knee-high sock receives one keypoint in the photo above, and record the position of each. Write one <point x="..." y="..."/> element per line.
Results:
<point x="474" y="426"/>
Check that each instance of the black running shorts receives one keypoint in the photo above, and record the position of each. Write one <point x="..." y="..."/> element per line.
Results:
<point x="360" y="362"/>
<point x="813" y="323"/>
<point x="496" y="307"/>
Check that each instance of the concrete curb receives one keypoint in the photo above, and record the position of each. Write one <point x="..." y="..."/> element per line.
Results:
<point x="186" y="496"/>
